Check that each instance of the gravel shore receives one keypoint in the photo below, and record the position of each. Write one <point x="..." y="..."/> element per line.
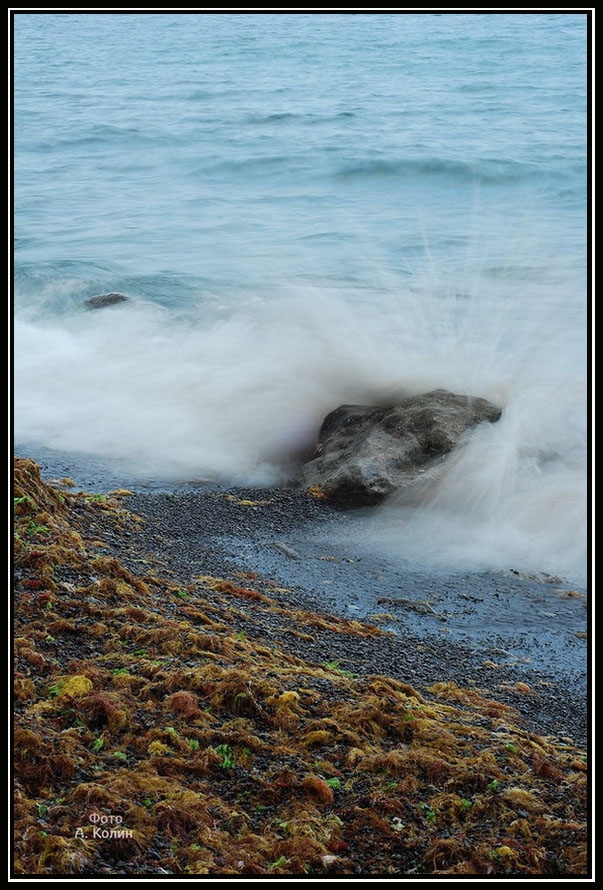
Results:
<point x="245" y="692"/>
<point x="489" y="631"/>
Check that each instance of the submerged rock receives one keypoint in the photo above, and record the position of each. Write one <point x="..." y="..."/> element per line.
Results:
<point x="105" y="300"/>
<point x="364" y="452"/>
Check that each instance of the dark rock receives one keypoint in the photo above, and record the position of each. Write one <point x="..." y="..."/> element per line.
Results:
<point x="105" y="300"/>
<point x="287" y="551"/>
<point x="364" y="453"/>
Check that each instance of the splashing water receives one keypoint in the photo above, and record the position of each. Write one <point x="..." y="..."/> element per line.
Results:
<point x="329" y="223"/>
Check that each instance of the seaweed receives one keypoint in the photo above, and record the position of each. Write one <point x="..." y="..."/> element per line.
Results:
<point x="154" y="736"/>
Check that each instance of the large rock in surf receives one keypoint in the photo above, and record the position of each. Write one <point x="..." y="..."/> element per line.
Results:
<point x="364" y="452"/>
<point x="103" y="300"/>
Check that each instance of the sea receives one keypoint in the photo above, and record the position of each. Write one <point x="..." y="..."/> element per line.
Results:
<point x="305" y="210"/>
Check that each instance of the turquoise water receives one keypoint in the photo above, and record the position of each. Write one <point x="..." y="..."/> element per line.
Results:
<point x="308" y="209"/>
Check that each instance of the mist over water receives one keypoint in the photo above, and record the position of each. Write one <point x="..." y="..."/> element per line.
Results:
<point x="331" y="223"/>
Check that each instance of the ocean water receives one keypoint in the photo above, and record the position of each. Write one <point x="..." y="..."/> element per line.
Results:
<point x="310" y="209"/>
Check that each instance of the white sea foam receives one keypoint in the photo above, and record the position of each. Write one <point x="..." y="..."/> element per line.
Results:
<point x="238" y="394"/>
<point x="418" y="185"/>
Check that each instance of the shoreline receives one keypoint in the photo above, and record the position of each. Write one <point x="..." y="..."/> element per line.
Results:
<point x="158" y="662"/>
<point x="489" y="629"/>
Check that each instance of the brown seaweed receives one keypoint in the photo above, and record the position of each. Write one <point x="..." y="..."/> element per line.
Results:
<point x="154" y="741"/>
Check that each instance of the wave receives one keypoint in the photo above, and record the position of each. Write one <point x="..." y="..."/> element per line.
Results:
<point x="108" y="135"/>
<point x="486" y="170"/>
<point x="237" y="393"/>
<point x="263" y="165"/>
<point x="298" y="117"/>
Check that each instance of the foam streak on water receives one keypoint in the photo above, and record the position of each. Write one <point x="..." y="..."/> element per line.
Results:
<point x="308" y="212"/>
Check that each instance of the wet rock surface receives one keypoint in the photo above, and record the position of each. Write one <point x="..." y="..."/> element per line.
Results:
<point x="102" y="300"/>
<point x="365" y="453"/>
